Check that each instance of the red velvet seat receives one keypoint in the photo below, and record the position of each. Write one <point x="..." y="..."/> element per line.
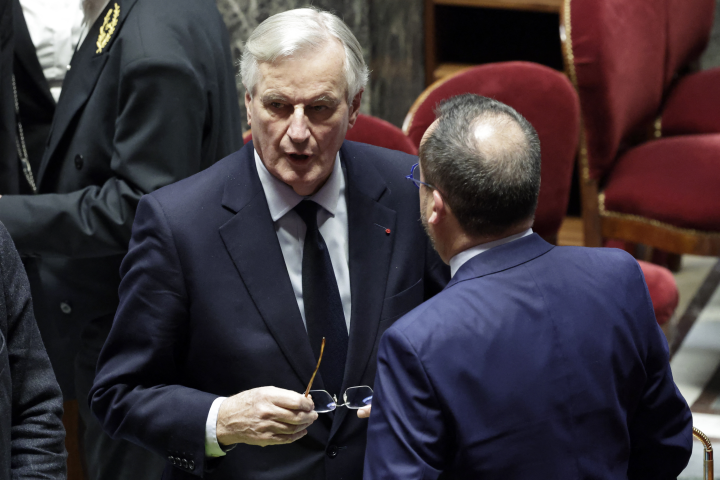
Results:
<point x="693" y="105"/>
<point x="654" y="182"/>
<point x="542" y="95"/>
<point x="374" y="131"/>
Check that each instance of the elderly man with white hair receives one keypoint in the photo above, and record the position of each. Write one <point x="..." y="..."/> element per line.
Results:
<point x="237" y="277"/>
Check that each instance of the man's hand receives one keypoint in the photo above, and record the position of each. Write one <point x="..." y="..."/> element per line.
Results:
<point x="364" y="412"/>
<point x="264" y="416"/>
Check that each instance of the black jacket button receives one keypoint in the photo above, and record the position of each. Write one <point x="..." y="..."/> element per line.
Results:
<point x="191" y="465"/>
<point x="332" y="451"/>
<point x="79" y="161"/>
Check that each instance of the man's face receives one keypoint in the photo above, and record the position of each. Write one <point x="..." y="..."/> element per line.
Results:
<point x="299" y="116"/>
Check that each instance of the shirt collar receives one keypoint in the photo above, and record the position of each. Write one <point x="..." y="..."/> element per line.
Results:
<point x="281" y="198"/>
<point x="459" y="260"/>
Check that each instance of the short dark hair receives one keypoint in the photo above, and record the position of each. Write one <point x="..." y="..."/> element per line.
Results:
<point x="489" y="189"/>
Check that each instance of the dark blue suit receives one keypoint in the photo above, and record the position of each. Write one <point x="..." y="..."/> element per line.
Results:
<point x="535" y="362"/>
<point x="207" y="309"/>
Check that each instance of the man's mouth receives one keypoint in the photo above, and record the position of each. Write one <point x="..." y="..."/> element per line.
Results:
<point x="298" y="157"/>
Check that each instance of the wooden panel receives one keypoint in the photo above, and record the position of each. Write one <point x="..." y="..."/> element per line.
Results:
<point x="571" y="232"/>
<point x="553" y="6"/>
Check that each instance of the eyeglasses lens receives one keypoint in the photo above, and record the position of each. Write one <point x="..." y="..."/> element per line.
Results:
<point x="323" y="401"/>
<point x="358" y="397"/>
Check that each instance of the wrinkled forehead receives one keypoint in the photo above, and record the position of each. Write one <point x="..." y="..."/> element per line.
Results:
<point x="311" y="72"/>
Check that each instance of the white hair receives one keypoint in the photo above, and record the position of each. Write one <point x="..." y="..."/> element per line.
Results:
<point x="287" y="33"/>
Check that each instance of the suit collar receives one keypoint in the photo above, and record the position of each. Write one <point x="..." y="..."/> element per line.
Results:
<point x="502" y="258"/>
<point x="250" y="239"/>
<point x="370" y="250"/>
<point x="85" y="69"/>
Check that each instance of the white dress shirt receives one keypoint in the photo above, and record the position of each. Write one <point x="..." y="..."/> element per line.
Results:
<point x="290" y="230"/>
<point x="461" y="258"/>
<point x="55" y="27"/>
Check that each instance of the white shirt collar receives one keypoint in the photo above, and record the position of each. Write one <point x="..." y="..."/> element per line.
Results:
<point x="282" y="198"/>
<point x="459" y="260"/>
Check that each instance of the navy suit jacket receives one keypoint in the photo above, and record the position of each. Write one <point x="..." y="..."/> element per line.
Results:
<point x="535" y="362"/>
<point x="207" y="309"/>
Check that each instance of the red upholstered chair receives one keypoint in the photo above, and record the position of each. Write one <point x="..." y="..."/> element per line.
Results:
<point x="545" y="98"/>
<point x="663" y="193"/>
<point x="692" y="98"/>
<point x="374" y="131"/>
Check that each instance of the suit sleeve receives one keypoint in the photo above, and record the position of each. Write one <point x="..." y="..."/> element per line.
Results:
<point x="37" y="433"/>
<point x="661" y="427"/>
<point x="137" y="394"/>
<point x="406" y="432"/>
<point x="157" y="141"/>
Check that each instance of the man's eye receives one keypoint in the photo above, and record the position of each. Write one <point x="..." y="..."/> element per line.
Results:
<point x="277" y="105"/>
<point x="319" y="108"/>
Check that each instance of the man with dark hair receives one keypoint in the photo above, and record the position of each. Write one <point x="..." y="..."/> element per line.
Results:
<point x="535" y="361"/>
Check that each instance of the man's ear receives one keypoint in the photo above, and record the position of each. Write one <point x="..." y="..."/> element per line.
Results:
<point x="439" y="208"/>
<point x="248" y="101"/>
<point x="355" y="108"/>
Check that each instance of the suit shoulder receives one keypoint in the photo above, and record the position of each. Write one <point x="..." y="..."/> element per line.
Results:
<point x="201" y="188"/>
<point x="387" y="162"/>
<point x="612" y="261"/>
<point x="177" y="32"/>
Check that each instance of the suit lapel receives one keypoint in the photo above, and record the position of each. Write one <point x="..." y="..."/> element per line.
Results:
<point x="252" y="243"/>
<point x="26" y="54"/>
<point x="370" y="254"/>
<point x="85" y="69"/>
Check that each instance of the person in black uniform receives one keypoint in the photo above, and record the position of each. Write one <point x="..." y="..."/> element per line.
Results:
<point x="149" y="99"/>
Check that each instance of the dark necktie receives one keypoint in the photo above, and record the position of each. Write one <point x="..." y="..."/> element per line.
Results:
<point x="323" y="308"/>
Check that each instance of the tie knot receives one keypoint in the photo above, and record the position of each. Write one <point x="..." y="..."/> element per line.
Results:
<point x="307" y="209"/>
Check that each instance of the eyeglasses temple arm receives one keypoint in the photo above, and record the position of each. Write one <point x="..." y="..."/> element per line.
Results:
<point x="322" y="349"/>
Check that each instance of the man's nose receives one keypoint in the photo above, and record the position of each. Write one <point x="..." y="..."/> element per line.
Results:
<point x="298" y="130"/>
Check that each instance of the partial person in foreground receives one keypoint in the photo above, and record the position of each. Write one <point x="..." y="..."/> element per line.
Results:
<point x="235" y="275"/>
<point x="32" y="437"/>
<point x="535" y="361"/>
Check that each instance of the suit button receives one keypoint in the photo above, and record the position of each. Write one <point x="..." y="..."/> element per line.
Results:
<point x="191" y="465"/>
<point x="65" y="308"/>
<point x="185" y="463"/>
<point x="332" y="451"/>
<point x="79" y="161"/>
<point x="172" y="459"/>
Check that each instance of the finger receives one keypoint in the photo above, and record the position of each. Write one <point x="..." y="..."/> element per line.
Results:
<point x="291" y="417"/>
<point x="276" y="428"/>
<point x="364" y="412"/>
<point x="290" y="400"/>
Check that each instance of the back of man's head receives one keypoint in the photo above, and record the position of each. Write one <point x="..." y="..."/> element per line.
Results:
<point x="484" y="159"/>
<point x="297" y="31"/>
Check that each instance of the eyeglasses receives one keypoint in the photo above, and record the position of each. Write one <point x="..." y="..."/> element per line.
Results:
<point x="353" y="398"/>
<point x="415" y="177"/>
